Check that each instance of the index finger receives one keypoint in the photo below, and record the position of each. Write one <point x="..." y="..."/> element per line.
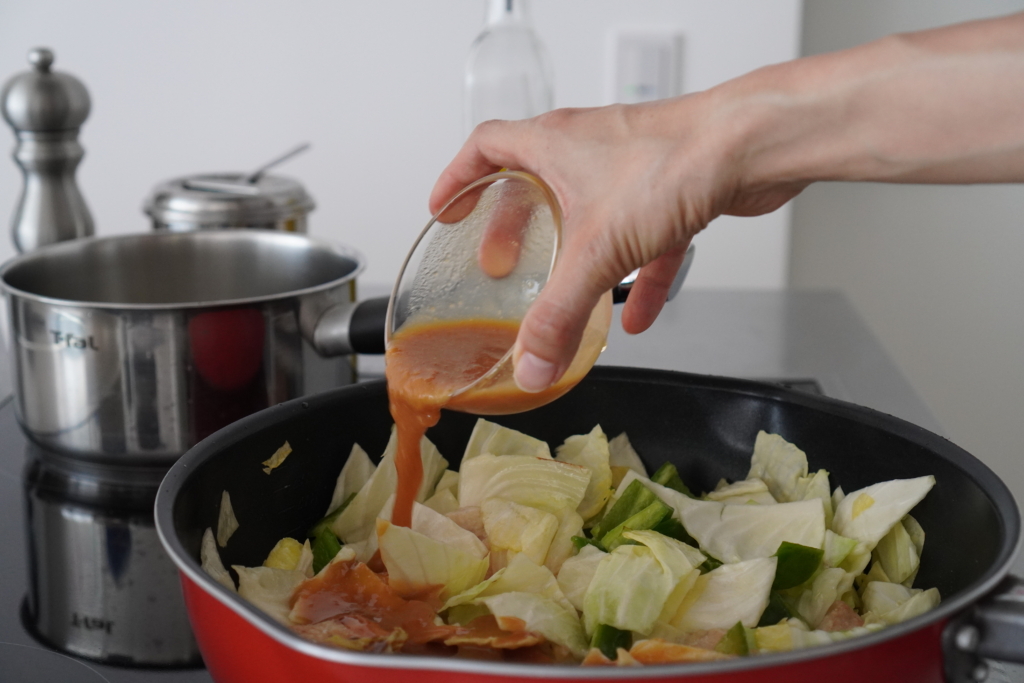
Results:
<point x="486" y="150"/>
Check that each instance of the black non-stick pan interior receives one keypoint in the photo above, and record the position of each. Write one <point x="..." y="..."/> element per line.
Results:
<point x="705" y="425"/>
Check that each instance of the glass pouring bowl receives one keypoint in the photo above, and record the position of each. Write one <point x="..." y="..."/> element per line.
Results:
<point x="486" y="256"/>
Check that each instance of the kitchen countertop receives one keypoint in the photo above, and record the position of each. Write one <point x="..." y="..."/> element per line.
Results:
<point x="787" y="336"/>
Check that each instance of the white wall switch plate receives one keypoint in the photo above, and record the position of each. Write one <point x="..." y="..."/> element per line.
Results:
<point x="644" y="64"/>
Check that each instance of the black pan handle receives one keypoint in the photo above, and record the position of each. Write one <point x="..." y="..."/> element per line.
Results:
<point x="993" y="628"/>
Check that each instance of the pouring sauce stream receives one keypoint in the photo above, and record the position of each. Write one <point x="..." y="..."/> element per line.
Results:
<point x="426" y="365"/>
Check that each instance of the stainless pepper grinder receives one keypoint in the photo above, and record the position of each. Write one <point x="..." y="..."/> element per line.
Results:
<point x="46" y="109"/>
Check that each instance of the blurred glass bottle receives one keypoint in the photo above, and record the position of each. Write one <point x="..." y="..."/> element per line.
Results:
<point x="508" y="74"/>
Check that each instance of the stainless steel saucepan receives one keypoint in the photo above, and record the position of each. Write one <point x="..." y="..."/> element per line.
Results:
<point x="136" y="347"/>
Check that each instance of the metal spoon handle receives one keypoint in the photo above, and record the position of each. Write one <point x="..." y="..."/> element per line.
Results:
<point x="255" y="175"/>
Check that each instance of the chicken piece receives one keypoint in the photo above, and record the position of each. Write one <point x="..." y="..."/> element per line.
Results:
<point x="505" y="634"/>
<point x="350" y="588"/>
<point x="657" y="651"/>
<point x="596" y="658"/>
<point x="840" y="617"/>
<point x="622" y="658"/>
<point x="353" y="632"/>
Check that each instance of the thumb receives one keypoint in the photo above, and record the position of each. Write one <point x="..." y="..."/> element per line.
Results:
<point x="553" y="326"/>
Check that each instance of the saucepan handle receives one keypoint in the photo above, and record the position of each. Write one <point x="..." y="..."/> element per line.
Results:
<point x="351" y="328"/>
<point x="993" y="628"/>
<point x="359" y="327"/>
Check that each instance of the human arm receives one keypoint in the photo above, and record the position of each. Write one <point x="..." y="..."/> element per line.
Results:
<point x="636" y="183"/>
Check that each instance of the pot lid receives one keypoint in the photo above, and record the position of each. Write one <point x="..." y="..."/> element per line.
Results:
<point x="44" y="101"/>
<point x="227" y="199"/>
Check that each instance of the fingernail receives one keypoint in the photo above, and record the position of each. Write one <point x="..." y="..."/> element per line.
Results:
<point x="533" y="374"/>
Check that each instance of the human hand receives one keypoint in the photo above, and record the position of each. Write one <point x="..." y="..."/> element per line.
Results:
<point x="635" y="184"/>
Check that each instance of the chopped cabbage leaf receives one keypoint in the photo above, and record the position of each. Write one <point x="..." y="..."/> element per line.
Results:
<point x="449" y="481"/>
<point x="284" y="555"/>
<point x="733" y="533"/>
<point x="356" y="523"/>
<point x="655" y="569"/>
<point x="918" y="604"/>
<point x="274" y="461"/>
<point x="577" y="572"/>
<point x="562" y="548"/>
<point x="490" y="437"/>
<point x="269" y="589"/>
<point x="518" y="528"/>
<point x="742" y="492"/>
<point x="837" y="548"/>
<point x="827" y="587"/>
<point x="876" y="574"/>
<point x="784" y="469"/>
<point x="817" y="486"/>
<point x="792" y="634"/>
<point x="305" y="563"/>
<point x="437" y="526"/>
<point x="897" y="554"/>
<point x="622" y="454"/>
<point x="681" y="570"/>
<point x="857" y="559"/>
<point x="916" y="533"/>
<point x="779" y="464"/>
<point x="542" y="483"/>
<point x="541" y="615"/>
<point x="227" y="523"/>
<point x="357" y="471"/>
<point x="731" y="593"/>
<point x="211" y="563"/>
<point x="870" y="513"/>
<point x="590" y="451"/>
<point x="892" y="603"/>
<point x="416" y="562"/>
<point x="463" y="615"/>
<point x="882" y="596"/>
<point x="443" y="502"/>
<point x="837" y="497"/>
<point x="363" y="551"/>
<point x="657" y="542"/>
<point x="521" y="575"/>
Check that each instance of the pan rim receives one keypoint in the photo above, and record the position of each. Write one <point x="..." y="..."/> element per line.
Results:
<point x="994" y="488"/>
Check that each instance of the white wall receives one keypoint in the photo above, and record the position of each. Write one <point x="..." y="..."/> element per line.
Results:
<point x="196" y="85"/>
<point x="936" y="271"/>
